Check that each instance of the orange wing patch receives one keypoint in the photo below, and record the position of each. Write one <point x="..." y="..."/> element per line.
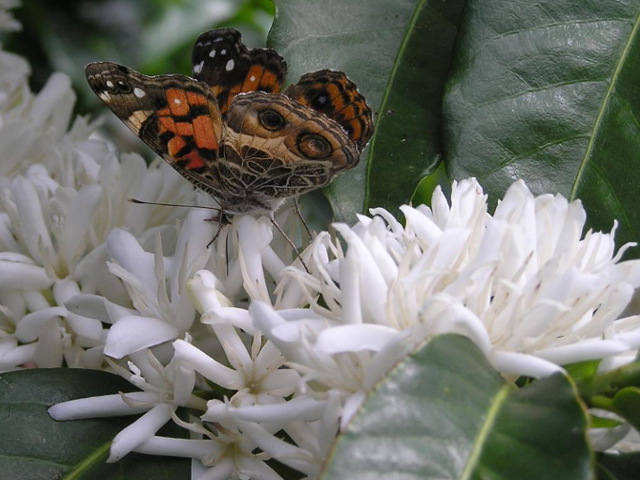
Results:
<point x="204" y="134"/>
<point x="199" y="127"/>
<point x="259" y="78"/>
<point x="196" y="99"/>
<point x="175" y="145"/>
<point x="178" y="104"/>
<point x="193" y="161"/>
<point x="334" y="95"/>
<point x="229" y="68"/>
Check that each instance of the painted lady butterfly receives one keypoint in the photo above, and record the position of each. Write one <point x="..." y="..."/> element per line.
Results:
<point x="230" y="132"/>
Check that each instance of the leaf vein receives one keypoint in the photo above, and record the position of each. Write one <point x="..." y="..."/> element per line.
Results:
<point x="598" y="124"/>
<point x="484" y="433"/>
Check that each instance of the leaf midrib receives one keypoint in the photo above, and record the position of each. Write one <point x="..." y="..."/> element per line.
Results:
<point x="486" y="430"/>
<point x="411" y="25"/>
<point x="597" y="126"/>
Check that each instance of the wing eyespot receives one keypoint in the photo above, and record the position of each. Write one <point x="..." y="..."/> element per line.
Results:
<point x="271" y="120"/>
<point x="314" y="146"/>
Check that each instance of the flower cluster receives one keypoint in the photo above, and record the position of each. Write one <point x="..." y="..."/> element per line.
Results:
<point x="524" y="284"/>
<point x="287" y="344"/>
<point x="63" y="210"/>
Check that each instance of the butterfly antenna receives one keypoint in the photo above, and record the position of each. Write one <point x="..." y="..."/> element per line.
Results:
<point x="144" y="202"/>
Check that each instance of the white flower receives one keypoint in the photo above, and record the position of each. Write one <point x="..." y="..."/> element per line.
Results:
<point x="162" y="390"/>
<point x="163" y="310"/>
<point x="61" y="195"/>
<point x="7" y="22"/>
<point x="522" y="283"/>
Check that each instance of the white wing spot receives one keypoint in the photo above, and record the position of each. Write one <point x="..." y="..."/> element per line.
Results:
<point x="198" y="68"/>
<point x="218" y="39"/>
<point x="252" y="78"/>
<point x="104" y="96"/>
<point x="138" y="92"/>
<point x="109" y="84"/>
<point x="230" y="65"/>
<point x="212" y="53"/>
<point x="223" y="52"/>
<point x="177" y="101"/>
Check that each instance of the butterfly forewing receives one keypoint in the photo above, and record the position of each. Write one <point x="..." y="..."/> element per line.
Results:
<point x="222" y="61"/>
<point x="176" y="116"/>
<point x="334" y="95"/>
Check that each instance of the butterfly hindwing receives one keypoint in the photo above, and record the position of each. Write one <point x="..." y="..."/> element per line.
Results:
<point x="283" y="148"/>
<point x="331" y="93"/>
<point x="222" y="61"/>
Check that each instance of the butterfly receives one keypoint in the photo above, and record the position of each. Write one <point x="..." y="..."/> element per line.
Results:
<point x="231" y="130"/>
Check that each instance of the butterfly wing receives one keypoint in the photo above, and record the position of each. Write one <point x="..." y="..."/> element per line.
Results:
<point x="176" y="116"/>
<point x="334" y="95"/>
<point x="223" y="62"/>
<point x="275" y="147"/>
<point x="230" y="132"/>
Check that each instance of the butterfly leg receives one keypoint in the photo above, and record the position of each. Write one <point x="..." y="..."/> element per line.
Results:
<point x="223" y="221"/>
<point x="286" y="237"/>
<point x="296" y="206"/>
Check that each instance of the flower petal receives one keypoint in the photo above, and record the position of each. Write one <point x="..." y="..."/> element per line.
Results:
<point x="133" y="333"/>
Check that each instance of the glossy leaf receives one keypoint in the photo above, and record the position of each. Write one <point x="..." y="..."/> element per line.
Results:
<point x="550" y="92"/>
<point x="406" y="145"/>
<point x="34" y="446"/>
<point x="404" y="89"/>
<point x="445" y="413"/>
<point x="613" y="466"/>
<point x="627" y="404"/>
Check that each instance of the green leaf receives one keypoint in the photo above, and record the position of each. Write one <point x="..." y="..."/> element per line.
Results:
<point x="404" y="89"/>
<point x="582" y="371"/>
<point x="613" y="466"/>
<point x="445" y="413"/>
<point x="406" y="143"/>
<point x="608" y="383"/>
<point x="34" y="446"/>
<point x="550" y="92"/>
<point x="602" y="422"/>
<point x="627" y="404"/>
